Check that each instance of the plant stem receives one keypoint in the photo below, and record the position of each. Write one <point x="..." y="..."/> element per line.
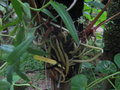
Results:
<point x="46" y="5"/>
<point x="28" y="85"/>
<point x="1" y="67"/>
<point x="112" y="84"/>
<point x="100" y="80"/>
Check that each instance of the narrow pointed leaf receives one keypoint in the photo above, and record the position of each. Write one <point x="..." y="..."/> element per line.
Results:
<point x="36" y="51"/>
<point x="44" y="59"/>
<point x="19" y="50"/>
<point x="47" y="12"/>
<point x="22" y="75"/>
<point x="60" y="9"/>
<point x="26" y="9"/>
<point x="17" y="7"/>
<point x="7" y="48"/>
<point x="9" y="73"/>
<point x="20" y="36"/>
<point x="14" y="22"/>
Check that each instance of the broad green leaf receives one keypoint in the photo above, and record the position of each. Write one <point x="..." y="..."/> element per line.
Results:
<point x="47" y="12"/>
<point x="17" y="7"/>
<point x="117" y="82"/>
<point x="20" y="36"/>
<point x="26" y="9"/>
<point x="14" y="22"/>
<point x="106" y="67"/>
<point x="4" y="85"/>
<point x="60" y="9"/>
<point x="36" y="51"/>
<point x="19" y="50"/>
<point x="79" y="82"/>
<point x="15" y="78"/>
<point x="87" y="65"/>
<point x="117" y="60"/>
<point x="118" y="88"/>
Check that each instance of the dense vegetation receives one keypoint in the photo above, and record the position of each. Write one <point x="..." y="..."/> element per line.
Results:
<point x="48" y="43"/>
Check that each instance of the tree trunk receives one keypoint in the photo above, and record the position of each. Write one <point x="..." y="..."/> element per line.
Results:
<point x="112" y="32"/>
<point x="112" y="35"/>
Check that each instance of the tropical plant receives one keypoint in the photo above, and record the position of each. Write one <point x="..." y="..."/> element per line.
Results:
<point x="42" y="37"/>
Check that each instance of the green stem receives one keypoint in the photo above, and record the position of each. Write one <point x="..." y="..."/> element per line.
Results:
<point x="1" y="67"/>
<point x="27" y="85"/>
<point x="100" y="80"/>
<point x="36" y="9"/>
<point x="21" y="84"/>
<point x="46" y="5"/>
<point x="112" y="84"/>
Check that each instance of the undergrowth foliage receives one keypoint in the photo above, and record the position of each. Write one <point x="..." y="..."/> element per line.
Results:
<point x="71" y="56"/>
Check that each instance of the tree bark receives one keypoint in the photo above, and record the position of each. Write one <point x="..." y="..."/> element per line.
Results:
<point x="112" y="35"/>
<point x="112" y="32"/>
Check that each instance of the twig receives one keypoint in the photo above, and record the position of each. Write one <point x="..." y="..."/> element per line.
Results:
<point x="117" y="14"/>
<point x="71" y="6"/>
<point x="56" y="25"/>
<point x="97" y="17"/>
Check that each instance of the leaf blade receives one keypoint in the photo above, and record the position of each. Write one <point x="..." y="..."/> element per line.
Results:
<point x="19" y="50"/>
<point x="60" y="9"/>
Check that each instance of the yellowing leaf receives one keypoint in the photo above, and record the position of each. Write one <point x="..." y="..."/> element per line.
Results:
<point x="44" y="59"/>
<point x="47" y="60"/>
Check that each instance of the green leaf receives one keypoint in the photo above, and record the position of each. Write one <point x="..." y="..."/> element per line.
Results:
<point x="117" y="82"/>
<point x="47" y="12"/>
<point x="20" y="35"/>
<point x="26" y="9"/>
<point x="118" y="88"/>
<point x="19" y="50"/>
<point x="15" y="78"/>
<point x="87" y="65"/>
<point x="106" y="67"/>
<point x="79" y="82"/>
<point x="96" y="4"/>
<point x="17" y="7"/>
<point x="4" y="85"/>
<point x="21" y="74"/>
<point x="117" y="60"/>
<point x="36" y="51"/>
<point x="13" y="32"/>
<point x="60" y="9"/>
<point x="14" y="22"/>
<point x="9" y="73"/>
<point x="7" y="48"/>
